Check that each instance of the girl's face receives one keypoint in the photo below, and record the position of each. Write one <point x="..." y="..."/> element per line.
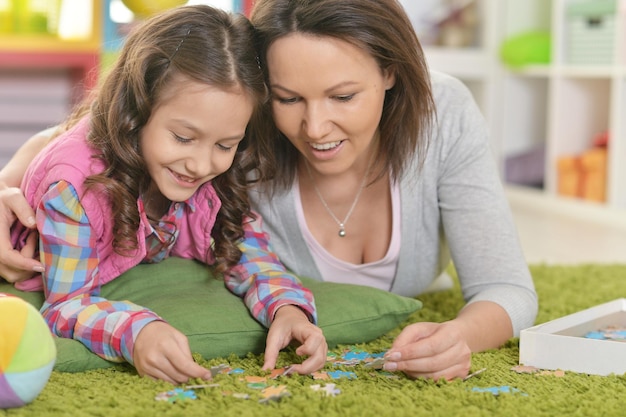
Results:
<point x="327" y="98"/>
<point x="192" y="135"/>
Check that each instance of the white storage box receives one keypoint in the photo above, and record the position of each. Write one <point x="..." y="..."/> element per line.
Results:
<point x="561" y="343"/>
<point x="590" y="36"/>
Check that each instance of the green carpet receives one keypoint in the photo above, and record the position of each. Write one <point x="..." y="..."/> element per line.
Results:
<point x="562" y="290"/>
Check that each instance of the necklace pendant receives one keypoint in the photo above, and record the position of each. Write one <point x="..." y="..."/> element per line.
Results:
<point x="342" y="231"/>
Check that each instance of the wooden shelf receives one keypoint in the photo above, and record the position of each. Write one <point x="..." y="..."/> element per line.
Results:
<point x="46" y="44"/>
<point x="82" y="67"/>
<point x="81" y="58"/>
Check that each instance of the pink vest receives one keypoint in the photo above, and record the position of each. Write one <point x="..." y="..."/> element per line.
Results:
<point x="69" y="158"/>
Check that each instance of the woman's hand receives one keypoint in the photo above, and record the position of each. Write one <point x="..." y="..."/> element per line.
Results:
<point x="290" y="323"/>
<point x="16" y="265"/>
<point x="430" y="350"/>
<point x="162" y="352"/>
<point x="444" y="350"/>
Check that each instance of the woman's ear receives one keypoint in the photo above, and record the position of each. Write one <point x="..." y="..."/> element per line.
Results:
<point x="389" y="75"/>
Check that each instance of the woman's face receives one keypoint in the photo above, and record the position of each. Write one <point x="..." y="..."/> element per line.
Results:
<point x="327" y="99"/>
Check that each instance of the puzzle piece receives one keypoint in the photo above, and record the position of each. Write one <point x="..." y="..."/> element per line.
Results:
<point x="320" y="375"/>
<point x="473" y="374"/>
<point x="239" y="395"/>
<point x="524" y="369"/>
<point x="274" y="393"/>
<point x="329" y="390"/>
<point x="357" y="356"/>
<point x="558" y="373"/>
<point x="354" y="356"/>
<point x="616" y="333"/>
<point x="504" y="389"/>
<point x="376" y="363"/>
<point x="175" y="395"/>
<point x="275" y="373"/>
<point x="220" y="369"/>
<point x="342" y="374"/>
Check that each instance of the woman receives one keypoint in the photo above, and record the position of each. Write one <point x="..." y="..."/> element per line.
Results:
<point x="383" y="171"/>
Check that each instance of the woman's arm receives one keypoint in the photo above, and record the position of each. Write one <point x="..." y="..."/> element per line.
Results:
<point x="18" y="265"/>
<point x="482" y="239"/>
<point x="12" y="173"/>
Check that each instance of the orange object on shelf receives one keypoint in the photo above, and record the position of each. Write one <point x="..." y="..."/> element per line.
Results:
<point x="593" y="165"/>
<point x="584" y="175"/>
<point x="568" y="176"/>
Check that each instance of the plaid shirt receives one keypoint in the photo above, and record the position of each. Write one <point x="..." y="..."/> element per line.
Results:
<point x="74" y="309"/>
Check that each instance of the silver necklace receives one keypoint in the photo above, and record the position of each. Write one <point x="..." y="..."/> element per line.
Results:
<point x="341" y="224"/>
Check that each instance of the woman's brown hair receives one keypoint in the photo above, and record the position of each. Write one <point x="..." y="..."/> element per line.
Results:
<point x="203" y="44"/>
<point x="380" y="27"/>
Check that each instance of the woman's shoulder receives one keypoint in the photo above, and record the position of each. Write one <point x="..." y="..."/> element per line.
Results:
<point x="67" y="157"/>
<point x="449" y="90"/>
<point x="72" y="142"/>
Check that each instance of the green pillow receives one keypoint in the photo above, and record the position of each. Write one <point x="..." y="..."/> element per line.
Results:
<point x="217" y="322"/>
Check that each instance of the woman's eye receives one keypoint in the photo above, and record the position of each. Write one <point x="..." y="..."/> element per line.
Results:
<point x="287" y="100"/>
<point x="225" y="148"/>
<point x="346" y="97"/>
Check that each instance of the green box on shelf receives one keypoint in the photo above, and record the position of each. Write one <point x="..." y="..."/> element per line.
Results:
<point x="590" y="36"/>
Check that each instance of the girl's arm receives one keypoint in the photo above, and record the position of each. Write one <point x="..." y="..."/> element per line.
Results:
<point x="262" y="280"/>
<point x="114" y="330"/>
<point x="73" y="307"/>
<point x="277" y="299"/>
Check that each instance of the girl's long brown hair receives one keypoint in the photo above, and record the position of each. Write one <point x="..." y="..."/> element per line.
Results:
<point x="205" y="45"/>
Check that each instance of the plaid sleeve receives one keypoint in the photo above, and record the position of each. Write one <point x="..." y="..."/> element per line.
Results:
<point x="262" y="279"/>
<point x="73" y="308"/>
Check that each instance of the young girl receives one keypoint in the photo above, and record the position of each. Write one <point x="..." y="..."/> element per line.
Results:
<point x="155" y="168"/>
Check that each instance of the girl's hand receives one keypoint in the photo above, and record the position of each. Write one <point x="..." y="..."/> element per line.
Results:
<point x="290" y="323"/>
<point x="162" y="352"/>
<point x="16" y="265"/>
<point x="430" y="350"/>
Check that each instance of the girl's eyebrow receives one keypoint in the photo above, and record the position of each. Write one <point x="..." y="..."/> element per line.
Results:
<point x="187" y="125"/>
<point x="327" y="91"/>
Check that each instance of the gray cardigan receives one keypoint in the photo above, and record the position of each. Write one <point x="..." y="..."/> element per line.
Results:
<point x="454" y="208"/>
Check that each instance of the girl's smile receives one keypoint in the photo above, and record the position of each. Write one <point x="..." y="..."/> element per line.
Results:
<point x="185" y="181"/>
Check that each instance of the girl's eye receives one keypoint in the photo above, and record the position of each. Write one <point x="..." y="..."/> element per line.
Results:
<point x="181" y="139"/>
<point x="346" y="97"/>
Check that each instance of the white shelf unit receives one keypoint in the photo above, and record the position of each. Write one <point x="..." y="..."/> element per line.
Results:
<point x="477" y="65"/>
<point x="559" y="107"/>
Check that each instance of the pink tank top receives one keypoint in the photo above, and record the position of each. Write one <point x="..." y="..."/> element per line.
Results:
<point x="379" y="274"/>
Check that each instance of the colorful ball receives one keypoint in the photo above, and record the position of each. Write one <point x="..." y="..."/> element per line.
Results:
<point x="27" y="352"/>
<point x="145" y="8"/>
